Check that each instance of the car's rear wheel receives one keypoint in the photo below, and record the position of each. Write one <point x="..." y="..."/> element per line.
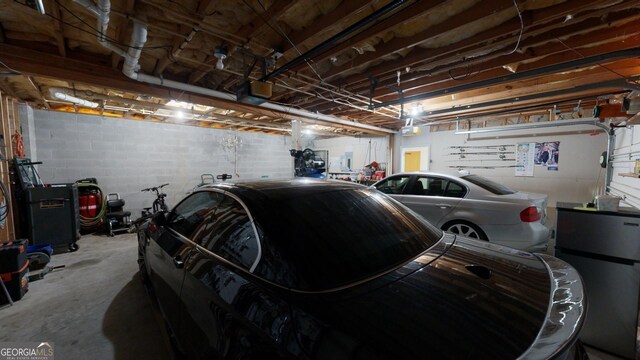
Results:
<point x="464" y="228"/>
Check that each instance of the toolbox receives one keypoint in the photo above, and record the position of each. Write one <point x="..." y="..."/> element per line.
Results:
<point x="53" y="214"/>
<point x="16" y="282"/>
<point x="13" y="255"/>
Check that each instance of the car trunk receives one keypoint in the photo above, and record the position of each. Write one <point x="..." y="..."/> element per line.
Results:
<point x="477" y="301"/>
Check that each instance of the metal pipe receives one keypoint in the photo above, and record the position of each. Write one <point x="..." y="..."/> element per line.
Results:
<point x="326" y="45"/>
<point x="592" y="60"/>
<point x="138" y="39"/>
<point x="284" y="85"/>
<point x="131" y="70"/>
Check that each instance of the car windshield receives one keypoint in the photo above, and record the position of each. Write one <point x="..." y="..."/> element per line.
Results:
<point x="335" y="238"/>
<point x="489" y="185"/>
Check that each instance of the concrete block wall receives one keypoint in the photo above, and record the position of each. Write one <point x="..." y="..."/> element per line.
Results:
<point x="127" y="155"/>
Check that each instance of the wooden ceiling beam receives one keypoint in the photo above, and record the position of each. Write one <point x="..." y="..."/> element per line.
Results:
<point x="31" y="62"/>
<point x="451" y="55"/>
<point x="629" y="43"/>
<point x="542" y="16"/>
<point x="179" y="43"/>
<point x="620" y="38"/>
<point x="202" y="70"/>
<point x="59" y="30"/>
<point x="203" y="6"/>
<point x="523" y="89"/>
<point x="39" y="91"/>
<point x="560" y="81"/>
<point x="404" y="15"/>
<point x="489" y="109"/>
<point x="488" y="8"/>
<point x="259" y="22"/>
<point x="324" y="22"/>
<point x="247" y="31"/>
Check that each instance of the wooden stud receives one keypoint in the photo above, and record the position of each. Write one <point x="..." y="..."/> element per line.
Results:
<point x="59" y="30"/>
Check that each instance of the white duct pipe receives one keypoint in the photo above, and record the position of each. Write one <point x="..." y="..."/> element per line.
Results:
<point x="226" y="96"/>
<point x="101" y="11"/>
<point x="61" y="94"/>
<point x="131" y="67"/>
<point x="138" y="39"/>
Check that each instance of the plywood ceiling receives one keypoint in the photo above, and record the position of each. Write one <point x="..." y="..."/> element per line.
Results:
<point x="456" y="58"/>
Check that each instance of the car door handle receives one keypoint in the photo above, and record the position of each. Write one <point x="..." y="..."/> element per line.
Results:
<point x="177" y="262"/>
<point x="443" y="206"/>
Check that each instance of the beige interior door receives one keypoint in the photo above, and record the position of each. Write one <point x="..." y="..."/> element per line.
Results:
<point x="412" y="161"/>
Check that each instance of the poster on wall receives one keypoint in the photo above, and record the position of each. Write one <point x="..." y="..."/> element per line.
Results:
<point x="548" y="155"/>
<point x="525" y="159"/>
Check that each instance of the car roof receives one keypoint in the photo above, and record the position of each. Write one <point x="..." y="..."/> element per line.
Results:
<point x="282" y="189"/>
<point x="448" y="174"/>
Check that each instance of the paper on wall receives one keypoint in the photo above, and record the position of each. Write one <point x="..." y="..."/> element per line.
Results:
<point x="525" y="159"/>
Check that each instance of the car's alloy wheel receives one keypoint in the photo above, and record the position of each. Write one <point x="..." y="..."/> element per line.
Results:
<point x="466" y="230"/>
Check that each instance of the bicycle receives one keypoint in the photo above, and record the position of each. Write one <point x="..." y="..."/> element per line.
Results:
<point x="159" y="203"/>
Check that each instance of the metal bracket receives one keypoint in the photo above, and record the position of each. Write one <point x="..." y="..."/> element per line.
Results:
<point x="401" y="98"/>
<point x="261" y="59"/>
<point x="373" y="83"/>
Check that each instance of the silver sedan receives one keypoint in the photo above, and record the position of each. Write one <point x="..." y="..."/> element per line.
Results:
<point x="473" y="206"/>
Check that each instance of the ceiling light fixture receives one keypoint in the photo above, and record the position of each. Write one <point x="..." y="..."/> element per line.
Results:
<point x="221" y="54"/>
<point x="416" y="109"/>
<point x="179" y="114"/>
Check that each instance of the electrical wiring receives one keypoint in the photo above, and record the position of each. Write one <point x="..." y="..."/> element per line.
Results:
<point x="515" y="3"/>
<point x="466" y="76"/>
<point x="10" y="68"/>
<point x="97" y="32"/>
<point x="283" y="35"/>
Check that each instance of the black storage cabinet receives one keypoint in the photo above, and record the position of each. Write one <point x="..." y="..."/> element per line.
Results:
<point x="53" y="215"/>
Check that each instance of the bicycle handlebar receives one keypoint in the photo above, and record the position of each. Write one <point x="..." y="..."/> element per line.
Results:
<point x="155" y="188"/>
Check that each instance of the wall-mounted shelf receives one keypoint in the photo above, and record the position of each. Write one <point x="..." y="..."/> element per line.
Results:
<point x="632" y="175"/>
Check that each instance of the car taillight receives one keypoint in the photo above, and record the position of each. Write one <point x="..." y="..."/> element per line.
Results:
<point x="530" y="214"/>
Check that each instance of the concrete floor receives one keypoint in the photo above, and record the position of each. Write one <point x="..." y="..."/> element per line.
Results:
<point x="97" y="307"/>
<point x="94" y="308"/>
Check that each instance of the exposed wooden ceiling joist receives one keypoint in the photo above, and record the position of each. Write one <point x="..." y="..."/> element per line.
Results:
<point x="437" y="45"/>
<point x="42" y="64"/>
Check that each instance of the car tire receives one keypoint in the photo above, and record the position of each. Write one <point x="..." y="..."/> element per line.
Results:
<point x="465" y="228"/>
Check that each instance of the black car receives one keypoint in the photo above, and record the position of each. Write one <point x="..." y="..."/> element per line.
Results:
<point x="317" y="269"/>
